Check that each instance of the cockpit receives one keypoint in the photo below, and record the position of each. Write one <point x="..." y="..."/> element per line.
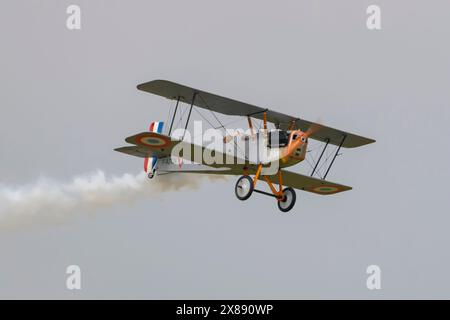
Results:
<point x="278" y="138"/>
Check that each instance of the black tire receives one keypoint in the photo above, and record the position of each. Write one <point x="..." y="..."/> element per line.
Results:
<point x="244" y="182"/>
<point x="288" y="201"/>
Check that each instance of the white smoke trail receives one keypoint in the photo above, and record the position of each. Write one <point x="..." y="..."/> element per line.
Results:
<point x="48" y="201"/>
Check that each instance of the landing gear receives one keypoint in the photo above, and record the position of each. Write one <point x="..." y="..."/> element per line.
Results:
<point x="244" y="188"/>
<point x="287" y="201"/>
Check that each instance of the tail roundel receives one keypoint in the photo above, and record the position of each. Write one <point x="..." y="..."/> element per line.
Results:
<point x="150" y="163"/>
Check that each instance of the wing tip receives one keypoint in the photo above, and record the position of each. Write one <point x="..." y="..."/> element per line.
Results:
<point x="366" y="141"/>
<point x="142" y="86"/>
<point x="121" y="149"/>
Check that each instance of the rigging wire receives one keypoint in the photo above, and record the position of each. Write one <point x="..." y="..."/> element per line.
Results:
<point x="181" y="117"/>
<point x="168" y="115"/>
<point x="204" y="118"/>
<point x="221" y="125"/>
<point x="329" y="154"/>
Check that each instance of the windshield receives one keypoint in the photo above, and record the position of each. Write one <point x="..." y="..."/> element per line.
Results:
<point x="278" y="138"/>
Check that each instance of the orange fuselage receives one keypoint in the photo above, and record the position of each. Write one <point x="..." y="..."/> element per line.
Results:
<point x="295" y="151"/>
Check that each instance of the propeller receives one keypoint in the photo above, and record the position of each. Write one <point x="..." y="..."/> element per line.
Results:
<point x="314" y="127"/>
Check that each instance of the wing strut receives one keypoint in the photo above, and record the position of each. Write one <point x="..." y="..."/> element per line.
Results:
<point x="189" y="115"/>
<point x="174" y="114"/>
<point x="335" y="155"/>
<point x="320" y="158"/>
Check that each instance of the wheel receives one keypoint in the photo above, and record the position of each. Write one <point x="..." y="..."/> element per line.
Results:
<point x="288" y="201"/>
<point x="244" y="188"/>
<point x="151" y="175"/>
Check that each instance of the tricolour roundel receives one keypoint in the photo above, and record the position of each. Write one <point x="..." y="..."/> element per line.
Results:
<point x="153" y="140"/>
<point x="326" y="189"/>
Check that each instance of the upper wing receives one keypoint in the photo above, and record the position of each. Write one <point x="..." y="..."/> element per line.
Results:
<point x="228" y="106"/>
<point x="209" y="101"/>
<point x="307" y="183"/>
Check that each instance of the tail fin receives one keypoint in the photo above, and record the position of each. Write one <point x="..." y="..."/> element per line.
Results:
<point x="150" y="163"/>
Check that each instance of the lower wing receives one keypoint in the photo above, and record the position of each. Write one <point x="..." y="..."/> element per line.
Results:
<point x="310" y="184"/>
<point x="151" y="144"/>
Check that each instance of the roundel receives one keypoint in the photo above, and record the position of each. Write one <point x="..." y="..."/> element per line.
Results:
<point x="326" y="189"/>
<point x="153" y="141"/>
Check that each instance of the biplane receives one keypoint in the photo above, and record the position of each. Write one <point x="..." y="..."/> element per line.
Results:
<point x="286" y="140"/>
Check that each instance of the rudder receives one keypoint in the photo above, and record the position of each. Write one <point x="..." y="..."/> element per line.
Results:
<point x="150" y="163"/>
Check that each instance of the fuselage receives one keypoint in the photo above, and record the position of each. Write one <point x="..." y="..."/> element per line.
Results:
<point x="287" y="147"/>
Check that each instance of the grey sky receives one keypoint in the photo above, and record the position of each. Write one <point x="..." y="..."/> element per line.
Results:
<point x="68" y="98"/>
